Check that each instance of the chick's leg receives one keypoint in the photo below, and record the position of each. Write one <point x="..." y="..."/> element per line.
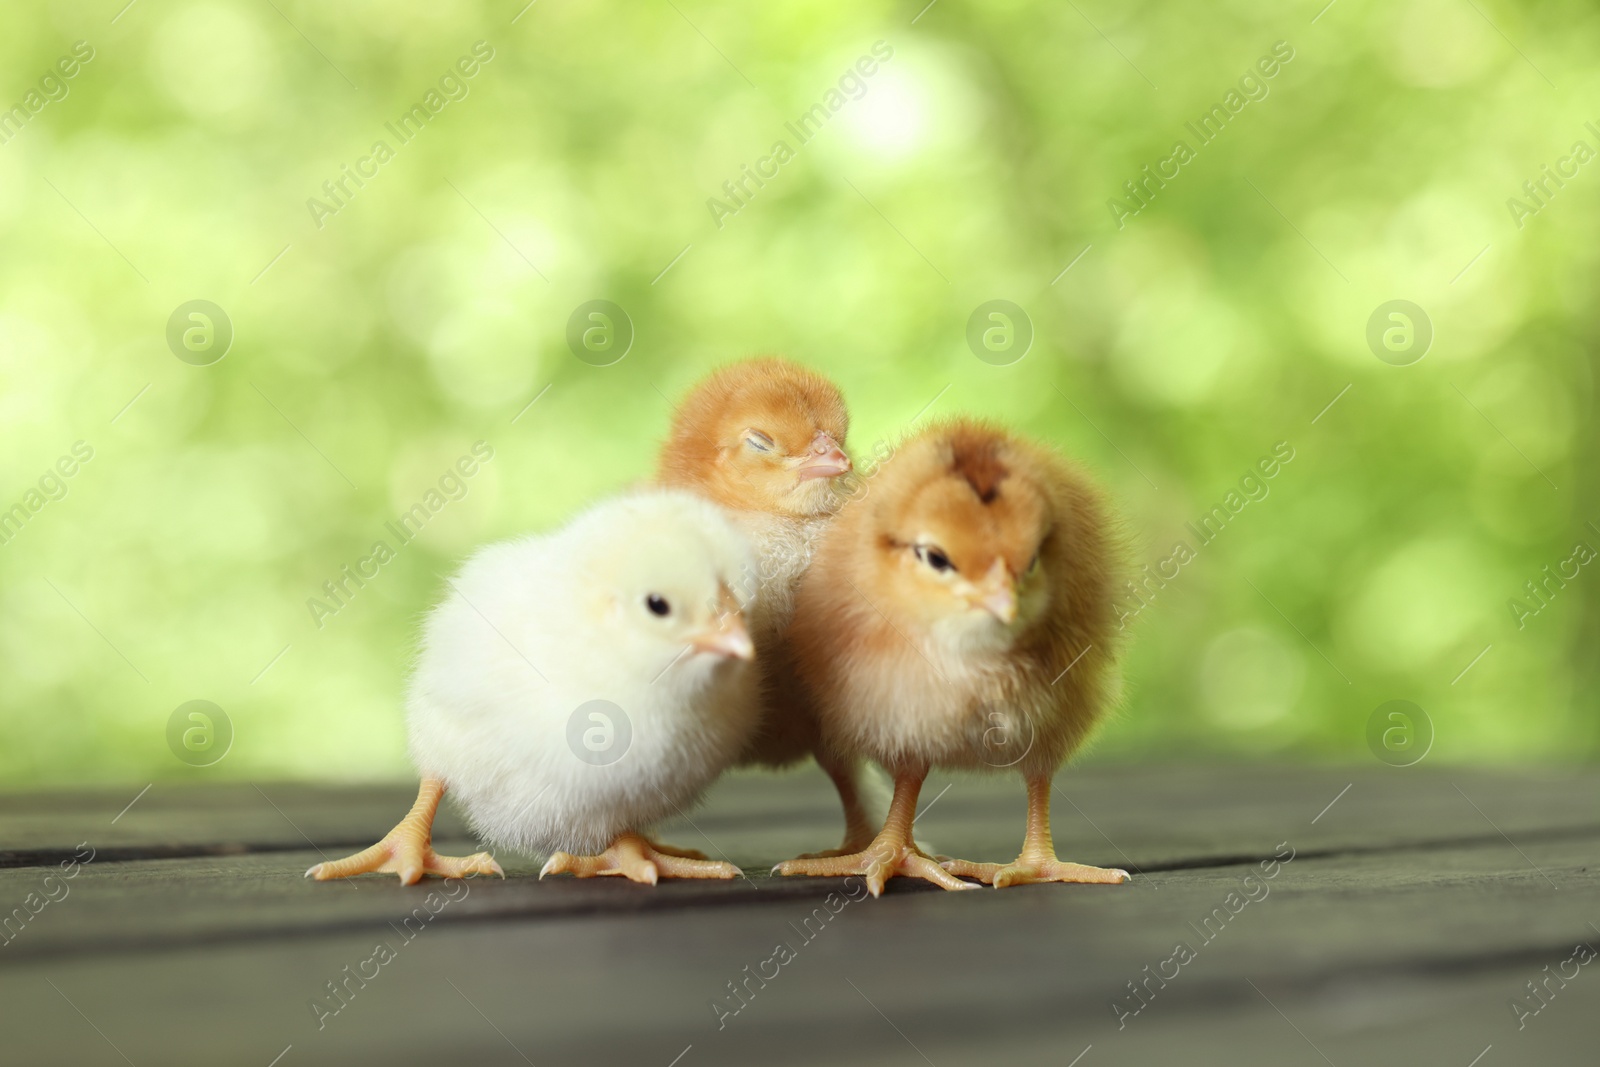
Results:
<point x="891" y="853"/>
<point x="635" y="858"/>
<point x="407" y="850"/>
<point x="846" y="775"/>
<point x="1037" y="862"/>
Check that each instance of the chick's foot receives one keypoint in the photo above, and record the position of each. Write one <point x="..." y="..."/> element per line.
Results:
<point x="849" y="848"/>
<point x="884" y="859"/>
<point x="636" y="859"/>
<point x="892" y="853"/>
<point x="681" y="853"/>
<point x="1030" y="870"/>
<point x="400" y="853"/>
<point x="857" y="840"/>
<point x="856" y="844"/>
<point x="1037" y="861"/>
<point x="407" y="850"/>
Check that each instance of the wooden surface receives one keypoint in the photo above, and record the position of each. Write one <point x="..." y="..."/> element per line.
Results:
<point x="1415" y="909"/>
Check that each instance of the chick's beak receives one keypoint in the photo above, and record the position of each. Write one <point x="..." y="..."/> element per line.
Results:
<point x="726" y="636"/>
<point x="997" y="594"/>
<point x="825" y="460"/>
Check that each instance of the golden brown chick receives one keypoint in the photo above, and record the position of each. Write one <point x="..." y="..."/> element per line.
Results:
<point x="765" y="439"/>
<point x="958" y="614"/>
<point x="765" y="435"/>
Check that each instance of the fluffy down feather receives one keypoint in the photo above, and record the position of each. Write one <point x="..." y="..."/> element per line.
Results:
<point x="765" y="439"/>
<point x="959" y="613"/>
<point x="535" y="628"/>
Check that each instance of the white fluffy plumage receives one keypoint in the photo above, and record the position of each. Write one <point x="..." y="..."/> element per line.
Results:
<point x="535" y="628"/>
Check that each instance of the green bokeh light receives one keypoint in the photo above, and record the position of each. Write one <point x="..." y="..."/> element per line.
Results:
<point x="372" y="352"/>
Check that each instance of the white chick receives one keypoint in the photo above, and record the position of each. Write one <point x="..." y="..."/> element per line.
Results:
<point x="579" y="686"/>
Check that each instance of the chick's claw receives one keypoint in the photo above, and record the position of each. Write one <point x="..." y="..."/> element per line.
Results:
<point x="1034" y="870"/>
<point x="636" y="859"/>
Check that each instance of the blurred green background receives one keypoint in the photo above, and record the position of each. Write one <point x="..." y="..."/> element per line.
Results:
<point x="975" y="163"/>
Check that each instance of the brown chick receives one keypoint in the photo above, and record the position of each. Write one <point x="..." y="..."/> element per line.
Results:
<point x="958" y="614"/>
<point x="765" y="439"/>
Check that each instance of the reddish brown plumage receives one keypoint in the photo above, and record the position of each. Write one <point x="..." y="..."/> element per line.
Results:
<point x="894" y="661"/>
<point x="975" y="455"/>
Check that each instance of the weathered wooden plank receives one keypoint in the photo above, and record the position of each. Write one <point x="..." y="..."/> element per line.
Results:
<point x="145" y="905"/>
<point x="197" y="820"/>
<point x="1378" y="958"/>
<point x="1398" y="934"/>
<point x="1173" y="814"/>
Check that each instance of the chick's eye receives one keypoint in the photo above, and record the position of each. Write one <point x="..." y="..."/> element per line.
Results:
<point x="934" y="558"/>
<point x="758" y="441"/>
<point x="657" y="604"/>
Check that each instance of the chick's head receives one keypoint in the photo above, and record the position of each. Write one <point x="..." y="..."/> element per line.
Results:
<point x="981" y="538"/>
<point x="667" y="582"/>
<point x="762" y="435"/>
